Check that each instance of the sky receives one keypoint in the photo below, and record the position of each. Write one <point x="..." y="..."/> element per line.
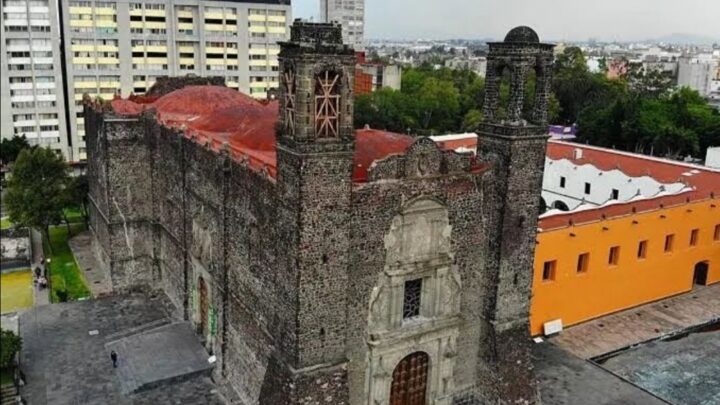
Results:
<point x="622" y="20"/>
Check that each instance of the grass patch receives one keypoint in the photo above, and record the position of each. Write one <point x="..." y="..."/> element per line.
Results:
<point x="5" y="223"/>
<point x="65" y="275"/>
<point x="6" y="376"/>
<point x="74" y="215"/>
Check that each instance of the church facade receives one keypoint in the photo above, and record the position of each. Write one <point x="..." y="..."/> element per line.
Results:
<point x="323" y="264"/>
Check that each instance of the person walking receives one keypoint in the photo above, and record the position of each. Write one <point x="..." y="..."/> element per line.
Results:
<point x="113" y="357"/>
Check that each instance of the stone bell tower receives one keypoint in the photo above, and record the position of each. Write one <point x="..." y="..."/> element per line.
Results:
<point x="315" y="145"/>
<point x="513" y="140"/>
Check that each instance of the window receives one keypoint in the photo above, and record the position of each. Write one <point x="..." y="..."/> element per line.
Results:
<point x="562" y="181"/>
<point x="694" y="237"/>
<point x="327" y="104"/>
<point x="412" y="298"/>
<point x="587" y="188"/>
<point x="716" y="233"/>
<point x="549" y="270"/>
<point x="614" y="256"/>
<point x="669" y="239"/>
<point x="615" y="194"/>
<point x="582" y="263"/>
<point x="642" y="249"/>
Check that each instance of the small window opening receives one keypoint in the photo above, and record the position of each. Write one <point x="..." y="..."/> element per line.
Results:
<point x="583" y="262"/>
<point x="412" y="298"/>
<point x="549" y="270"/>
<point x="614" y="256"/>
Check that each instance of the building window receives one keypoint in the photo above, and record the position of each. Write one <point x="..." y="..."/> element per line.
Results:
<point x="716" y="233"/>
<point x="694" y="237"/>
<point x="587" y="188"/>
<point x="614" y="256"/>
<point x="669" y="239"/>
<point x="412" y="298"/>
<point x="327" y="104"/>
<point x="549" y="270"/>
<point x="562" y="181"/>
<point x="615" y="194"/>
<point x="582" y="263"/>
<point x="642" y="249"/>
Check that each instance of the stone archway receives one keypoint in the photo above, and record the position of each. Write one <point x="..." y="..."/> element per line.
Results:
<point x="204" y="307"/>
<point x="410" y="380"/>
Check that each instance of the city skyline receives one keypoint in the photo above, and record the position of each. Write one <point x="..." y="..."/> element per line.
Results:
<point x="612" y="20"/>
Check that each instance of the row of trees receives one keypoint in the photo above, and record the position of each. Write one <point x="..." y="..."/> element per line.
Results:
<point x="640" y="111"/>
<point x="41" y="191"/>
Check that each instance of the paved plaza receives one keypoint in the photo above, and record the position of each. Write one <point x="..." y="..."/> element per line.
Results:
<point x="66" y="361"/>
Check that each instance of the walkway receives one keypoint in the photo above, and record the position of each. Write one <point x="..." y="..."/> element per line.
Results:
<point x="42" y="297"/>
<point x="98" y="279"/>
<point x="640" y="324"/>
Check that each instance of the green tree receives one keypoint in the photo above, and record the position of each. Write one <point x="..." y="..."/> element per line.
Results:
<point x="10" y="344"/>
<point x="36" y="189"/>
<point x="10" y="148"/>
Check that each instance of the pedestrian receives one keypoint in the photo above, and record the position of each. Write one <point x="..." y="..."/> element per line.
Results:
<point x="113" y="357"/>
<point x="37" y="272"/>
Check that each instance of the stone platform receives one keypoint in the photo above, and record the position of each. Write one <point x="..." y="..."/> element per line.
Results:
<point x="65" y="359"/>
<point x="160" y="355"/>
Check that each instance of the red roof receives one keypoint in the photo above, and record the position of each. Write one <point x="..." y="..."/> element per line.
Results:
<point x="705" y="182"/>
<point x="228" y="119"/>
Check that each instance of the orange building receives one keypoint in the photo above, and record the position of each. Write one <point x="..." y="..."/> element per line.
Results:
<point x="600" y="259"/>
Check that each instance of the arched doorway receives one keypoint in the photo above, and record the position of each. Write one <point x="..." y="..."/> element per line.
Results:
<point x="560" y="205"/>
<point x="700" y="275"/>
<point x="204" y="307"/>
<point x="409" y="380"/>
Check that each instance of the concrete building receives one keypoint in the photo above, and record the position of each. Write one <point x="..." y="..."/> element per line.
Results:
<point x="31" y="91"/>
<point x="351" y="15"/>
<point x="120" y="47"/>
<point x="372" y="76"/>
<point x="321" y="264"/>
<point x="698" y="73"/>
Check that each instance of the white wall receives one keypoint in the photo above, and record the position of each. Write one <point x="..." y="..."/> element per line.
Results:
<point x="601" y="184"/>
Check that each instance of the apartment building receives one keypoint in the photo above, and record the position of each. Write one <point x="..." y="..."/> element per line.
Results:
<point x="121" y="47"/>
<point x="351" y="15"/>
<point x="31" y="91"/>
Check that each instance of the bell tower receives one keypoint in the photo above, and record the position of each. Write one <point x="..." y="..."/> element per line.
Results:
<point x="513" y="141"/>
<point x="316" y="82"/>
<point x="315" y="146"/>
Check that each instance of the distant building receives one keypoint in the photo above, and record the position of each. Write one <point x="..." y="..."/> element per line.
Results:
<point x="351" y="15"/>
<point x="32" y="100"/>
<point x="372" y="76"/>
<point x="476" y="64"/>
<point x="712" y="157"/>
<point x="698" y="73"/>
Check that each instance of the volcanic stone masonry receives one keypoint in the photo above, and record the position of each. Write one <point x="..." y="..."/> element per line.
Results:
<point x="320" y="264"/>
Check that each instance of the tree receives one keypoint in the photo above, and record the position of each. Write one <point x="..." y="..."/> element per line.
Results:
<point x="36" y="189"/>
<point x="10" y="148"/>
<point x="10" y="344"/>
<point x="75" y="196"/>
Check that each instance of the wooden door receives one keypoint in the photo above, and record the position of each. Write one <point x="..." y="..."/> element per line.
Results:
<point x="409" y="383"/>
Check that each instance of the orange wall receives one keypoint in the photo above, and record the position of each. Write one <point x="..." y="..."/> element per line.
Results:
<point x="576" y="297"/>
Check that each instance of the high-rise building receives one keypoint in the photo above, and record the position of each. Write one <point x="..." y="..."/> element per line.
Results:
<point x="121" y="47"/>
<point x="351" y="15"/>
<point x="31" y="90"/>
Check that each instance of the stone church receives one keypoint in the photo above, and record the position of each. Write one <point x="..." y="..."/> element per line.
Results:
<point x="323" y="264"/>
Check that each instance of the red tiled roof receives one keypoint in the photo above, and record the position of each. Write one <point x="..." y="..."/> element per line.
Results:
<point x="705" y="183"/>
<point x="226" y="118"/>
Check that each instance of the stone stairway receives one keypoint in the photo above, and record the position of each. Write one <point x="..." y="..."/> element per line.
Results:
<point x="7" y="394"/>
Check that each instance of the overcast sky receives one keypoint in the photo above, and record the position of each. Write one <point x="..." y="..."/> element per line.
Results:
<point x="622" y="20"/>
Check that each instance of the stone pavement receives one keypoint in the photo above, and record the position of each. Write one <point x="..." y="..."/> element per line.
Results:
<point x="65" y="360"/>
<point x="684" y="370"/>
<point x="565" y="379"/>
<point x="636" y="325"/>
<point x="98" y="279"/>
